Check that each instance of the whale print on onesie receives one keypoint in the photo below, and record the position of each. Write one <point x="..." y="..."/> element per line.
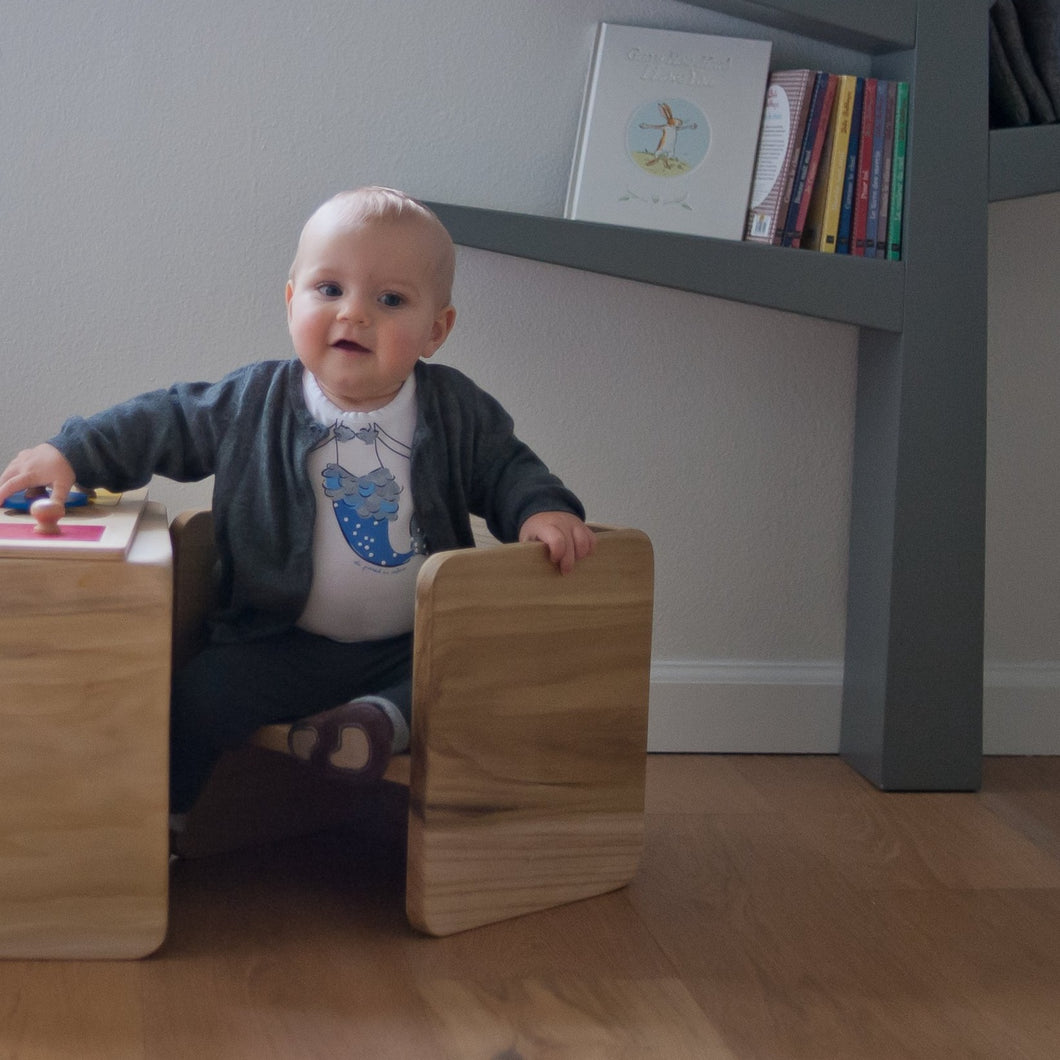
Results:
<point x="366" y="506"/>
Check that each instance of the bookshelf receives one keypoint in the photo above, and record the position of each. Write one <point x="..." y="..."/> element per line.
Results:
<point x="1024" y="161"/>
<point x="913" y="671"/>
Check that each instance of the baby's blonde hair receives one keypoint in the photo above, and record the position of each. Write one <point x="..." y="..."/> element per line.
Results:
<point x="372" y="203"/>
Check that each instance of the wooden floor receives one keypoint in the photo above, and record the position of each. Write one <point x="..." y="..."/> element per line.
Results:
<point x="784" y="908"/>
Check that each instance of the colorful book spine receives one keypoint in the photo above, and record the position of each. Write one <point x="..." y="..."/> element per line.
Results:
<point x="813" y="145"/>
<point x="879" y="132"/>
<point x="847" y="190"/>
<point x="885" y="176"/>
<point x="785" y="202"/>
<point x="850" y="177"/>
<point x="822" y="228"/>
<point x="901" y="124"/>
<point x="861" y="198"/>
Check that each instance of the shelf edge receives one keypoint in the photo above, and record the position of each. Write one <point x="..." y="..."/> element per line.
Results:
<point x="859" y="291"/>
<point x="1024" y="162"/>
<point x="873" y="28"/>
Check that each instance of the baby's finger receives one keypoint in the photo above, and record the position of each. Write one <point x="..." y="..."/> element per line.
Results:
<point x="565" y="552"/>
<point x="11" y="482"/>
<point x="584" y="542"/>
<point x="559" y="546"/>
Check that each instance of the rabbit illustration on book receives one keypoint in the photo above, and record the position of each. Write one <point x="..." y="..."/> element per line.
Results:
<point x="666" y="149"/>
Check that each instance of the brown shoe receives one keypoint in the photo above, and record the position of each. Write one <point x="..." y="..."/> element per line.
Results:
<point x="353" y="741"/>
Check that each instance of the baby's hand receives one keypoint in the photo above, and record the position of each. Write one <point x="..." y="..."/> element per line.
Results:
<point x="42" y="465"/>
<point x="567" y="537"/>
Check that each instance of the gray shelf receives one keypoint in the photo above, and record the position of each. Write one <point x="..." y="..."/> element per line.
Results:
<point x="1024" y="161"/>
<point x="869" y="27"/>
<point x="858" y="291"/>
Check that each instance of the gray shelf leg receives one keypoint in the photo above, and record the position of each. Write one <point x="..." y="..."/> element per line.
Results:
<point x="913" y="682"/>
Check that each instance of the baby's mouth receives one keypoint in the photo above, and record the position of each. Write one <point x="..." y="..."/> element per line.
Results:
<point x="349" y="346"/>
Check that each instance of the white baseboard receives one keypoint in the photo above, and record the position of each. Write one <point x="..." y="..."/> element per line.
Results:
<point x="754" y="707"/>
<point x="1021" y="708"/>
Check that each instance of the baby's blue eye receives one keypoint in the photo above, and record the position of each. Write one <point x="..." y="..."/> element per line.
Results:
<point x="329" y="290"/>
<point x="391" y="300"/>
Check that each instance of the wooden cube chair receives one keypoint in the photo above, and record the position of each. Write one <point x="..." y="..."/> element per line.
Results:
<point x="525" y="777"/>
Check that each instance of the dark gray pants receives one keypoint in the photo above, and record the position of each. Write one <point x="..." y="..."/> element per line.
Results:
<point x="229" y="690"/>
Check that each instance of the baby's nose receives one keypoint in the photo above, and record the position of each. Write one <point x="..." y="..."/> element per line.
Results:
<point x="356" y="310"/>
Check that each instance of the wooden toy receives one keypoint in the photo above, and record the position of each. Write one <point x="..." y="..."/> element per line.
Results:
<point x="23" y="499"/>
<point x="47" y="513"/>
<point x="97" y="527"/>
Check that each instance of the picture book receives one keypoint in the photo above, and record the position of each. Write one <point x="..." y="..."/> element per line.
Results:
<point x="668" y="131"/>
<point x="779" y="142"/>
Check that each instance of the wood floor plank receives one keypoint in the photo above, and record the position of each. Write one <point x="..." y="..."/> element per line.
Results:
<point x="899" y="839"/>
<point x="993" y="953"/>
<point x="784" y="909"/>
<point x="678" y="784"/>
<point x="599" y="937"/>
<point x="1025" y="793"/>
<point x="598" y="1019"/>
<point x="803" y="927"/>
<point x="292" y="951"/>
<point x="54" y="1010"/>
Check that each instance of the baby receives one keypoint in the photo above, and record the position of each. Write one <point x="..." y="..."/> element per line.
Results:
<point x="335" y="474"/>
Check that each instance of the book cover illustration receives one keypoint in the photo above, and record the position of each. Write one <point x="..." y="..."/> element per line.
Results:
<point x="668" y="132"/>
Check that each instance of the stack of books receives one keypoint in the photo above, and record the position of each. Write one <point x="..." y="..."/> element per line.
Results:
<point x="830" y="166"/>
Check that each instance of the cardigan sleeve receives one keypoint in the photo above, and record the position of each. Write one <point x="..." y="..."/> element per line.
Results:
<point x="165" y="432"/>
<point x="467" y="459"/>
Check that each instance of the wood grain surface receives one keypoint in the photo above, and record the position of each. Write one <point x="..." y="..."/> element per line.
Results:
<point x="528" y="759"/>
<point x="784" y="910"/>
<point x="84" y="746"/>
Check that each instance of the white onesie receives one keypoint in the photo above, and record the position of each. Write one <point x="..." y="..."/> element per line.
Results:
<point x="366" y="553"/>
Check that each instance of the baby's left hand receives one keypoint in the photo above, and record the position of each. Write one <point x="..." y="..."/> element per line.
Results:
<point x="567" y="537"/>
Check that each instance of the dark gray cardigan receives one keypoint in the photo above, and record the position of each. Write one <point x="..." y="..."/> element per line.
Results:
<point x="253" y="432"/>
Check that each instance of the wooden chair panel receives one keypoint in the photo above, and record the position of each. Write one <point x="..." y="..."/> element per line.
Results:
<point x="526" y="773"/>
<point x="529" y="731"/>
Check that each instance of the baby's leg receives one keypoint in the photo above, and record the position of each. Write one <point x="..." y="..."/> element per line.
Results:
<point x="230" y="690"/>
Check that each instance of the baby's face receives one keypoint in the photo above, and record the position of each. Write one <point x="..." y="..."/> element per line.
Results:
<point x="364" y="305"/>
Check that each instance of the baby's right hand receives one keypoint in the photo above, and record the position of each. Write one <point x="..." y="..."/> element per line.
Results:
<point x="43" y="465"/>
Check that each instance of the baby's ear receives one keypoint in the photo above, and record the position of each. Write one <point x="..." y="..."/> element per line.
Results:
<point x="288" y="294"/>
<point x="443" y="325"/>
